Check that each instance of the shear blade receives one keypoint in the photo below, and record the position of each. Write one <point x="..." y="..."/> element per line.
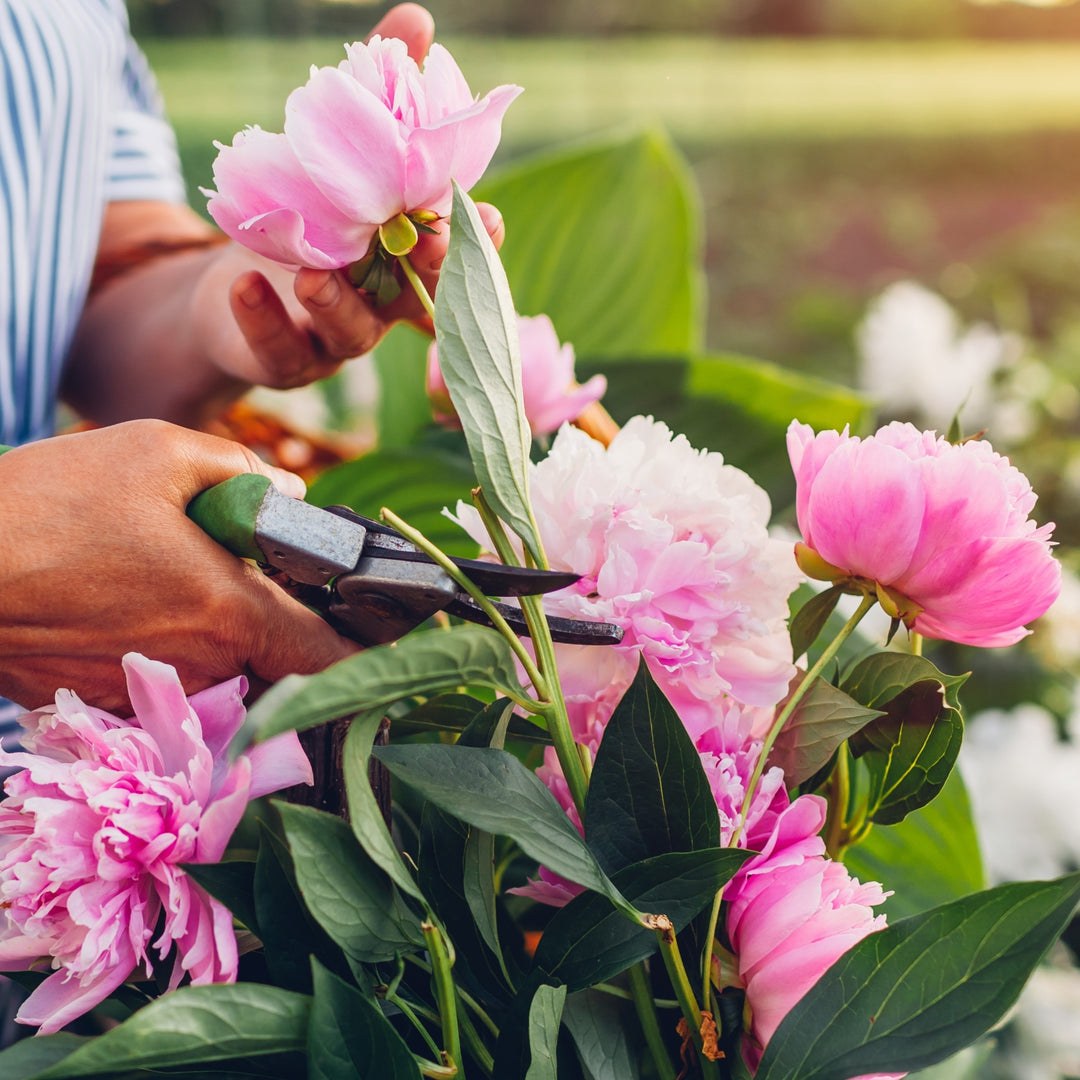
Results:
<point x="564" y="631"/>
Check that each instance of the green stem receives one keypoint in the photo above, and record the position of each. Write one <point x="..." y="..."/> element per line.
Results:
<point x="800" y="692"/>
<point x="416" y="537"/>
<point x="417" y="284"/>
<point x="532" y="607"/>
<point x="617" y="991"/>
<point x="836" y="822"/>
<point x="710" y="941"/>
<point x="480" y="1012"/>
<point x="480" y="1053"/>
<point x="445" y="998"/>
<point x="669" y="950"/>
<point x="916" y="643"/>
<point x="642" y="997"/>
<point x="437" y="1072"/>
<point x="410" y="1012"/>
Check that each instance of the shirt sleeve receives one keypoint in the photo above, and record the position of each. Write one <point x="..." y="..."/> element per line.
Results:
<point x="143" y="158"/>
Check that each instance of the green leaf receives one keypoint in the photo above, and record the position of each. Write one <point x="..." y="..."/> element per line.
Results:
<point x="929" y="858"/>
<point x="349" y="896"/>
<point x="566" y="214"/>
<point x="365" y="814"/>
<point x="808" y="622"/>
<point x="194" y="1025"/>
<point x="545" y="1014"/>
<point x="649" y="793"/>
<point x="600" y="1025"/>
<point x="425" y="662"/>
<point x="493" y="791"/>
<point x="348" y="1036"/>
<point x="454" y="713"/>
<point x="233" y="883"/>
<point x="820" y="723"/>
<point x="415" y="484"/>
<point x="403" y="411"/>
<point x="914" y="993"/>
<point x="738" y="406"/>
<point x="29" y="1057"/>
<point x="910" y="751"/>
<point x="588" y="942"/>
<point x="476" y="330"/>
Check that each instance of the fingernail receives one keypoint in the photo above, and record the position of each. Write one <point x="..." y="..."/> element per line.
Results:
<point x="252" y="296"/>
<point x="328" y="294"/>
<point x="288" y="483"/>
<point x="437" y="264"/>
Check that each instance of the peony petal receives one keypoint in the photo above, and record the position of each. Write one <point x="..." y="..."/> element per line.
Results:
<point x="569" y="406"/>
<point x="163" y="712"/>
<point x="62" y="998"/>
<point x="220" y="818"/>
<point x="349" y="144"/>
<point x="445" y="89"/>
<point x="278" y="763"/>
<point x="221" y="711"/>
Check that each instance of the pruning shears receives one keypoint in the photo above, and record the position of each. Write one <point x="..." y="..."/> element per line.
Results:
<point x="365" y="579"/>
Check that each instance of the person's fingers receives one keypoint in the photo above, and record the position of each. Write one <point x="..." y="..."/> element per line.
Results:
<point x="493" y="222"/>
<point x="411" y="23"/>
<point x="344" y="322"/>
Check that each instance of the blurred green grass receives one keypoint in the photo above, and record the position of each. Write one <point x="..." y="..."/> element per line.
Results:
<point x="701" y="90"/>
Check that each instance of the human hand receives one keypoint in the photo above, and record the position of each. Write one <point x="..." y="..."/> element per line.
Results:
<point x="100" y="559"/>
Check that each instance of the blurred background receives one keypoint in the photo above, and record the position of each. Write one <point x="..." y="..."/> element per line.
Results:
<point x="890" y="198"/>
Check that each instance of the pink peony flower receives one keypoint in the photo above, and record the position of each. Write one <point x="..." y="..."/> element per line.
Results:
<point x="550" y="395"/>
<point x="672" y="545"/>
<point x="787" y="924"/>
<point x="943" y="528"/>
<point x="97" y="823"/>
<point x="365" y="142"/>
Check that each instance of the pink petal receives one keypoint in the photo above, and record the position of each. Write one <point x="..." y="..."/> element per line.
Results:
<point x="458" y="148"/>
<point x="61" y="999"/>
<point x="162" y="711"/>
<point x="220" y="818"/>
<point x="445" y="90"/>
<point x="221" y="711"/>
<point x="278" y="763"/>
<point x="569" y="406"/>
<point x="349" y="145"/>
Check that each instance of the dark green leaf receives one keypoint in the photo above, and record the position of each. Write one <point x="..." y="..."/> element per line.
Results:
<point x="649" y="793"/>
<point x="476" y="330"/>
<point x="289" y="934"/>
<point x="415" y="484"/>
<point x="588" y="942"/>
<point x="233" y="883"/>
<point x="493" y="791"/>
<point x="600" y="1026"/>
<point x="738" y="406"/>
<point x="454" y="713"/>
<point x="811" y="618"/>
<point x="567" y="212"/>
<point x="191" y="1026"/>
<point x="545" y="1015"/>
<point x="349" y="896"/>
<point x="820" y="723"/>
<point x="368" y="824"/>
<point x="403" y="411"/>
<point x="929" y="858"/>
<point x="28" y="1057"/>
<point x="914" y="993"/>
<point x="422" y="663"/>
<point x="910" y="751"/>
<point x="348" y="1036"/>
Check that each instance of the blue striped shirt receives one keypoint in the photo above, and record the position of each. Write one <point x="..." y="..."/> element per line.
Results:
<point x="81" y="125"/>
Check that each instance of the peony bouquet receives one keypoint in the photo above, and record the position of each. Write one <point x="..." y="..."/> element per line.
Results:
<point x="712" y="850"/>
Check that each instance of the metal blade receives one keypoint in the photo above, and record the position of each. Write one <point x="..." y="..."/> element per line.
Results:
<point x="492" y="579"/>
<point x="565" y="631"/>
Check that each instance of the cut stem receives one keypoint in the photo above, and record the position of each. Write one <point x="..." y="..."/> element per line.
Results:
<point x="418" y="286"/>
<point x="641" y="994"/>
<point x="669" y="950"/>
<point x="445" y="998"/>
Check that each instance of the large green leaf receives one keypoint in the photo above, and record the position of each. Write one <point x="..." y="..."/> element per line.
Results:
<point x="738" y="406"/>
<point x="348" y="1036"/>
<point x="476" y="329"/>
<point x="910" y="751"/>
<point x="820" y="723"/>
<point x="349" y="896"/>
<point x="415" y="484"/>
<point x="588" y="942"/>
<point x="455" y="712"/>
<point x="914" y="993"/>
<point x="601" y="1026"/>
<point x="493" y="791"/>
<point x="649" y="793"/>
<point x="425" y="662"/>
<point x="605" y="240"/>
<point x="929" y="858"/>
<point x="545" y="1015"/>
<point x="195" y="1025"/>
<point x="403" y="412"/>
<point x="29" y="1057"/>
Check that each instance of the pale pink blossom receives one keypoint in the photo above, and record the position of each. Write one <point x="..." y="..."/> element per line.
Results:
<point x="364" y="142"/>
<point x="550" y="395"/>
<point x="673" y="546"/>
<point x="945" y="529"/>
<point x="787" y="924"/>
<point x="97" y="822"/>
